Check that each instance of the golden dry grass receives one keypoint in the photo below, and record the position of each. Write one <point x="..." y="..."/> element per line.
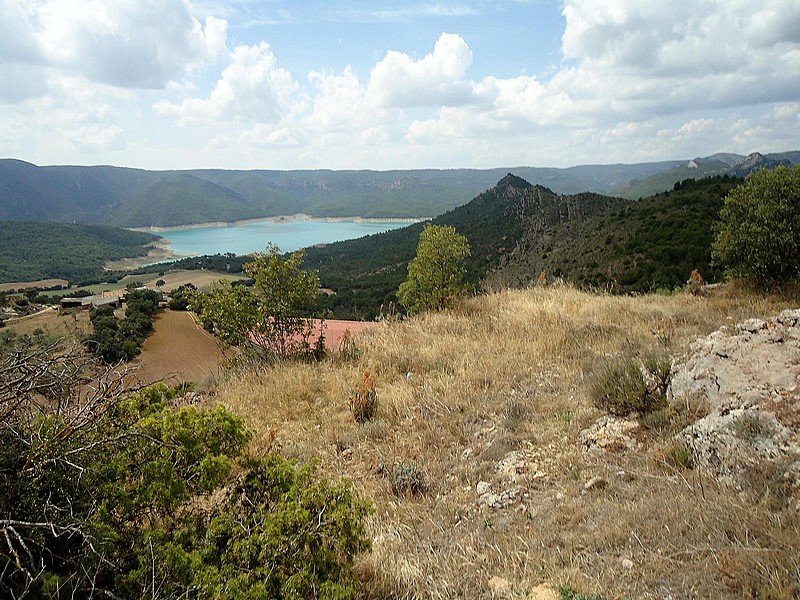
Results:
<point x="507" y="372"/>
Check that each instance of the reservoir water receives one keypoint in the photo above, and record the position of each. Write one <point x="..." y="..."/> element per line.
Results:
<point x="290" y="235"/>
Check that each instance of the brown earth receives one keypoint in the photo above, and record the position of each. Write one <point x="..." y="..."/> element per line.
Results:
<point x="72" y="326"/>
<point x="178" y="351"/>
<point x="41" y="283"/>
<point x="335" y="331"/>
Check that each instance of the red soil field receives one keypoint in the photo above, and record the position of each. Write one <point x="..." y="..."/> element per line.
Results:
<point x="335" y="330"/>
<point x="180" y="350"/>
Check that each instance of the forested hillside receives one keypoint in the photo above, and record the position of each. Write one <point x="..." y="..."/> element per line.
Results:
<point x="733" y="165"/>
<point x="35" y="250"/>
<point x="518" y="230"/>
<point x="635" y="247"/>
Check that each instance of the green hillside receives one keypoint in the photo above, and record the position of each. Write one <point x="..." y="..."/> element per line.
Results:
<point x="733" y="165"/>
<point x="660" y="182"/>
<point x="133" y="197"/>
<point x="367" y="272"/>
<point x="179" y="198"/>
<point x="37" y="250"/>
<point x="641" y="247"/>
<point x="517" y="230"/>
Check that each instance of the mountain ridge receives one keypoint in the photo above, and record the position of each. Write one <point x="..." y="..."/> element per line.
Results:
<point x="116" y="195"/>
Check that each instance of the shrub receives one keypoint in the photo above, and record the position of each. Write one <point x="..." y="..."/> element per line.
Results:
<point x="568" y="592"/>
<point x="678" y="456"/>
<point x="629" y="386"/>
<point x="364" y="402"/>
<point x="408" y="479"/>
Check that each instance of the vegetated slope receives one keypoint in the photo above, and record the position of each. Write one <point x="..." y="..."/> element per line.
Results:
<point x="367" y="272"/>
<point x="517" y="230"/>
<point x="37" y="250"/>
<point x="635" y="247"/>
<point x="133" y="197"/>
<point x="67" y="194"/>
<point x="177" y="199"/>
<point x="717" y="164"/>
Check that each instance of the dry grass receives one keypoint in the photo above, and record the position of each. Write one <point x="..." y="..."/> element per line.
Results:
<point x="459" y="391"/>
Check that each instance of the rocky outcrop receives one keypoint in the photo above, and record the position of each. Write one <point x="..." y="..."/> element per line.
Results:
<point x="748" y="378"/>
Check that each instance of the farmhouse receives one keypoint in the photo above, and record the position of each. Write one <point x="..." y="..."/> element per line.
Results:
<point x="75" y="304"/>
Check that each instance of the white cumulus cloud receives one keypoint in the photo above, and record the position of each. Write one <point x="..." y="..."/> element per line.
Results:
<point x="434" y="80"/>
<point x="252" y="88"/>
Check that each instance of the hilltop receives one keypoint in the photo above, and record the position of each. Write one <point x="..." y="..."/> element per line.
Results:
<point x="509" y="477"/>
<point x="733" y="165"/>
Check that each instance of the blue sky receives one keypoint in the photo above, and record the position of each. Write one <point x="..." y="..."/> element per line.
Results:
<point x="272" y="84"/>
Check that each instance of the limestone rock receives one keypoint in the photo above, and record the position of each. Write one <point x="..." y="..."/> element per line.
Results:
<point x="611" y="433"/>
<point x="544" y="591"/>
<point x="595" y="483"/>
<point x="748" y="378"/>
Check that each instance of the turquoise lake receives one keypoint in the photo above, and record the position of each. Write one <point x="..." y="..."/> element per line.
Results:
<point x="245" y="238"/>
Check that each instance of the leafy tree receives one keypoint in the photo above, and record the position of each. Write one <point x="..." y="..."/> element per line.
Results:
<point x="758" y="238"/>
<point x="435" y="275"/>
<point x="106" y="493"/>
<point x="180" y="297"/>
<point x="114" y="341"/>
<point x="272" y="317"/>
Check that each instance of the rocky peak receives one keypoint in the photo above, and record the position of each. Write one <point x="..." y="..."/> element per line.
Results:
<point x="756" y="161"/>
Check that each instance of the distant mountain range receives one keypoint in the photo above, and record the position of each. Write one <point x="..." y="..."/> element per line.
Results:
<point x="137" y="198"/>
<point x="716" y="164"/>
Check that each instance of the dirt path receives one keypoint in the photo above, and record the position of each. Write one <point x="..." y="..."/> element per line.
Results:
<point x="178" y="351"/>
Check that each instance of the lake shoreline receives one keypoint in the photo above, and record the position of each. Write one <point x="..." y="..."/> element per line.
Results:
<point x="298" y="217"/>
<point x="165" y="249"/>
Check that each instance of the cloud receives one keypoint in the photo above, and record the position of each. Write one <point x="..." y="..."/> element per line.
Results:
<point x="252" y="88"/>
<point x="636" y="80"/>
<point x="141" y="45"/>
<point x="657" y="58"/>
<point x="341" y="104"/>
<point x="435" y="80"/>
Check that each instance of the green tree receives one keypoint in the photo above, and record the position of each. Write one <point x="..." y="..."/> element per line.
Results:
<point x="272" y="318"/>
<point x="758" y="238"/>
<point x="436" y="273"/>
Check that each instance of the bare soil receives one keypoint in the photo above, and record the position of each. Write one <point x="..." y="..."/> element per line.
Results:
<point x="335" y="331"/>
<point x="41" y="283"/>
<point x="71" y="326"/>
<point x="178" y="351"/>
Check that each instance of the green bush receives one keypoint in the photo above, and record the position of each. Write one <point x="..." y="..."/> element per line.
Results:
<point x="757" y="238"/>
<point x="628" y="385"/>
<point x="132" y="498"/>
<point x="567" y="592"/>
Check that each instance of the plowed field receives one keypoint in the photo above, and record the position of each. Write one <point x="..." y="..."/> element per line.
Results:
<point x="178" y="351"/>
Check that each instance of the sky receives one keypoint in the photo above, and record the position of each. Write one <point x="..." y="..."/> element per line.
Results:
<point x="370" y="84"/>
